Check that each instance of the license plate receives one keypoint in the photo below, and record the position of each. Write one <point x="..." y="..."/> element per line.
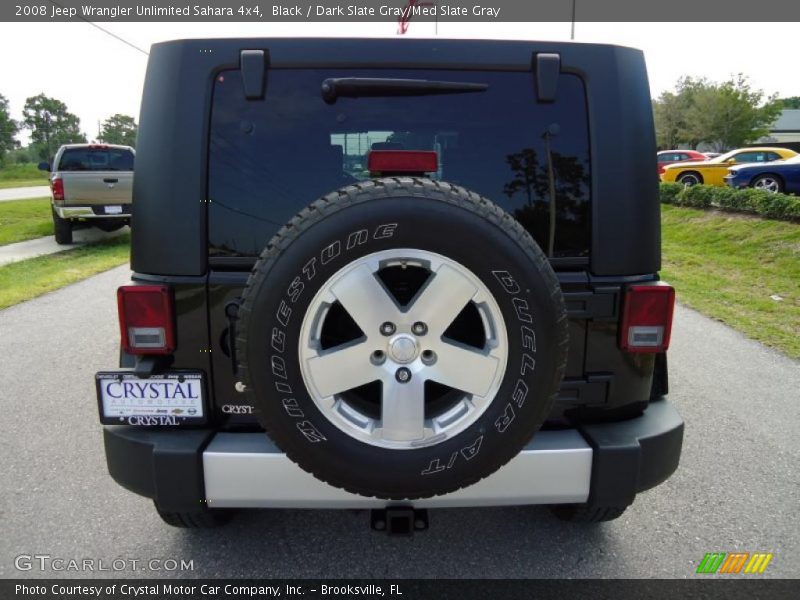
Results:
<point x="166" y="399"/>
<point x="113" y="210"/>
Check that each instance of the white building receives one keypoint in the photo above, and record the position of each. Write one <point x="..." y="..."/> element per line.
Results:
<point x="786" y="128"/>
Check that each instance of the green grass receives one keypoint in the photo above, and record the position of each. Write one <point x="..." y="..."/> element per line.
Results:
<point x="28" y="279"/>
<point x="728" y="267"/>
<point x="20" y="183"/>
<point x="24" y="220"/>
<point x="24" y="175"/>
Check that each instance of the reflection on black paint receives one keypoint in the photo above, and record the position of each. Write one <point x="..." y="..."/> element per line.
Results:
<point x="261" y="175"/>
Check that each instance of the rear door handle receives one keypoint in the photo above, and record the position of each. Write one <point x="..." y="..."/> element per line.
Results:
<point x="110" y="180"/>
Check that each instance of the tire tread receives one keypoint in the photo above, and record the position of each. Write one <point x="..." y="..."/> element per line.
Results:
<point x="202" y="519"/>
<point x="580" y="513"/>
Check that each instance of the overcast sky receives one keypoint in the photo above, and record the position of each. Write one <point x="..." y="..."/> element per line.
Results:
<point x="97" y="75"/>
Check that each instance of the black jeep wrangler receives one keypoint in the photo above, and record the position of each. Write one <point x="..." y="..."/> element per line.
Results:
<point x="395" y="275"/>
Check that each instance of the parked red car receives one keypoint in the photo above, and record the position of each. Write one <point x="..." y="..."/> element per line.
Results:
<point x="668" y="157"/>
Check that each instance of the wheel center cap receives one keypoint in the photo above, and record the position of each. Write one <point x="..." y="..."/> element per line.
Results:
<point x="403" y="349"/>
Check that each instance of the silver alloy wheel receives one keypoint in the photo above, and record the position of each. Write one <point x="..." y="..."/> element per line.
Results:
<point x="767" y="183"/>
<point x="405" y="420"/>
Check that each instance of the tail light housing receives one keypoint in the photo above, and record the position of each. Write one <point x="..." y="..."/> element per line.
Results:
<point x="647" y="318"/>
<point x="146" y="319"/>
<point x="57" y="187"/>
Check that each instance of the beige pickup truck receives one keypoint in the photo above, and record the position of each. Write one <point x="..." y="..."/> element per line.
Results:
<point x="91" y="184"/>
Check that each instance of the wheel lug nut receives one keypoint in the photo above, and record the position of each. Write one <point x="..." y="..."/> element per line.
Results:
<point x="403" y="375"/>
<point x="419" y="328"/>
<point x="388" y="328"/>
<point x="428" y="357"/>
<point x="378" y="357"/>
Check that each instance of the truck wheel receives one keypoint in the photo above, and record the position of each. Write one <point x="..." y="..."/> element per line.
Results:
<point x="200" y="519"/>
<point x="581" y="513"/>
<point x="62" y="229"/>
<point x="402" y="338"/>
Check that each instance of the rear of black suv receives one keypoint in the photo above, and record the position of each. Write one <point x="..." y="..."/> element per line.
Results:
<point x="392" y="273"/>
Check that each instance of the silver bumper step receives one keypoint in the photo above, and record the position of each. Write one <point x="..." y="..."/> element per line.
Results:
<point x="247" y="470"/>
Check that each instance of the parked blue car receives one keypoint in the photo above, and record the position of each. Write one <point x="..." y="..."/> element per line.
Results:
<point x="779" y="176"/>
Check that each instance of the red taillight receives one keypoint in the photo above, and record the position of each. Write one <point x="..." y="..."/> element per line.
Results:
<point x="57" y="187"/>
<point x="402" y="161"/>
<point x="647" y="318"/>
<point x="146" y="319"/>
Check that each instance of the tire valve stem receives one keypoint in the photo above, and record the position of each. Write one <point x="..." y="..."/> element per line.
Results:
<point x="403" y="375"/>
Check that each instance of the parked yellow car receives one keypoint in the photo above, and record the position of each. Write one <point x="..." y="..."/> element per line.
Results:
<point x="712" y="172"/>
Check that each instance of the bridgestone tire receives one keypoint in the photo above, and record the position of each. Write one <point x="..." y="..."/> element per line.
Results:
<point x="399" y="214"/>
<point x="62" y="229"/>
<point x="199" y="519"/>
<point x="580" y="513"/>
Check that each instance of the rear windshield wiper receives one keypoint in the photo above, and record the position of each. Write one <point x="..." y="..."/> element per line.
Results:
<point x="357" y="87"/>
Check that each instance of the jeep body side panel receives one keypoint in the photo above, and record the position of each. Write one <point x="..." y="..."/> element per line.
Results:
<point x="170" y="181"/>
<point x="170" y="186"/>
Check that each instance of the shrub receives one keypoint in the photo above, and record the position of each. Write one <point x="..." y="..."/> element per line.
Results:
<point x="760" y="202"/>
<point x="696" y="196"/>
<point x="778" y="206"/>
<point x="724" y="197"/>
<point x="749" y="200"/>
<point x="668" y="191"/>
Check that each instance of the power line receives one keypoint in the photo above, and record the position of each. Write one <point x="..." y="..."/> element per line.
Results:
<point x="106" y="31"/>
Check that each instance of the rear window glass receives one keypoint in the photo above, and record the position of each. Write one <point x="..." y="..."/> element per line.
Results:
<point x="270" y="158"/>
<point x="96" y="159"/>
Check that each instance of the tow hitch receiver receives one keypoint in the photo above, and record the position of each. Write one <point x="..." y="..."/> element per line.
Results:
<point x="399" y="520"/>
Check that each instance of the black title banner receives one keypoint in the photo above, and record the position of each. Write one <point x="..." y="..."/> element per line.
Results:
<point x="501" y="11"/>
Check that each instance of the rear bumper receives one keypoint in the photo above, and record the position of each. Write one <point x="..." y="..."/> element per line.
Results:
<point x="91" y="212"/>
<point x="602" y="464"/>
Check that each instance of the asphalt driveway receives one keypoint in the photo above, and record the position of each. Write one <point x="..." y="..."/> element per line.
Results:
<point x="737" y="488"/>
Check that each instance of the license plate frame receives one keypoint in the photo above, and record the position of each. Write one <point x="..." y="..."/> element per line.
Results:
<point x="189" y="408"/>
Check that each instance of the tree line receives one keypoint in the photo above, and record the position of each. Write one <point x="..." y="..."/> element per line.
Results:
<point x="51" y="124"/>
<point x="723" y="115"/>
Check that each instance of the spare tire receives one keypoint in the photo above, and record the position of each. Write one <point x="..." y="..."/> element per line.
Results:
<point x="402" y="338"/>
